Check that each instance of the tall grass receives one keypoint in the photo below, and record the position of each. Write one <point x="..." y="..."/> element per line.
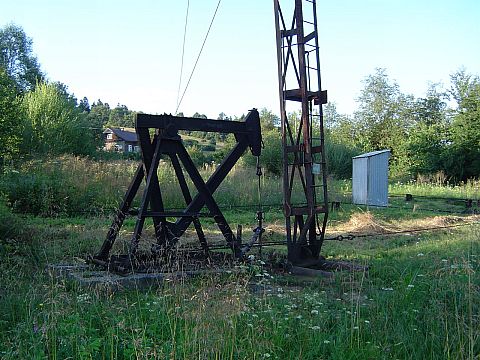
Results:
<point x="68" y="186"/>
<point x="71" y="185"/>
<point x="436" y="186"/>
<point x="65" y="185"/>
<point x="420" y="300"/>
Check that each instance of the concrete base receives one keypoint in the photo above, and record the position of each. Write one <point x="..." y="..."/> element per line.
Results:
<point x="85" y="276"/>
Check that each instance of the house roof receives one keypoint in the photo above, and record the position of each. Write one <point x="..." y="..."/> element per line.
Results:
<point x="126" y="134"/>
<point x="370" y="154"/>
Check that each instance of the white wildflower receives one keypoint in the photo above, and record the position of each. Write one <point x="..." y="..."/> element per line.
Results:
<point x="83" y="297"/>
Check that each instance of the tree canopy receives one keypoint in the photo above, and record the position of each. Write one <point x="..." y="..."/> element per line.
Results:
<point x="17" y="58"/>
<point x="439" y="132"/>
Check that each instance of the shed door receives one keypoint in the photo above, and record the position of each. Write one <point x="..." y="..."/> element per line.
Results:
<point x="378" y="180"/>
<point x="359" y="180"/>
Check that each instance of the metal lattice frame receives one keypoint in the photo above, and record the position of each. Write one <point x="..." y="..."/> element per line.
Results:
<point x="304" y="173"/>
<point x="167" y="142"/>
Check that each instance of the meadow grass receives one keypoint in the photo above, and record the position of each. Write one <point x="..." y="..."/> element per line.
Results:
<point x="73" y="186"/>
<point x="432" y="188"/>
<point x="418" y="300"/>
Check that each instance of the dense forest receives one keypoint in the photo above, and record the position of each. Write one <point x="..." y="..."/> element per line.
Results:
<point x="439" y="133"/>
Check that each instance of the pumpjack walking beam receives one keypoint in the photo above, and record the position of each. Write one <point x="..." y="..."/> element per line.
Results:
<point x="304" y="170"/>
<point x="167" y="141"/>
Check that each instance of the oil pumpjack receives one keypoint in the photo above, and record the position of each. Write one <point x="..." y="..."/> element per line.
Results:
<point x="305" y="203"/>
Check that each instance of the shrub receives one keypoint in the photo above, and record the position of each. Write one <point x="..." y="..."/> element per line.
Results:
<point x="197" y="155"/>
<point x="9" y="223"/>
<point x="207" y="147"/>
<point x="189" y="142"/>
<point x="54" y="124"/>
<point x="66" y="186"/>
<point x="271" y="158"/>
<point x="339" y="159"/>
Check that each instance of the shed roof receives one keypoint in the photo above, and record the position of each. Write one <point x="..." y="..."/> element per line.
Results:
<point x="127" y="134"/>
<point x="370" y="154"/>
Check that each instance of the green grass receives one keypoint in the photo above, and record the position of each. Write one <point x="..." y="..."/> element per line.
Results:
<point x="463" y="190"/>
<point x="419" y="300"/>
<point x="73" y="186"/>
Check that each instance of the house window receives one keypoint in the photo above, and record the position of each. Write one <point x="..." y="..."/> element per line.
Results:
<point x="136" y="148"/>
<point x="118" y="147"/>
<point x="130" y="148"/>
<point x="109" y="136"/>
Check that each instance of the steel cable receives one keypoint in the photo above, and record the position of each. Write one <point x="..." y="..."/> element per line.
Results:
<point x="198" y="57"/>
<point x="183" y="53"/>
<point x="354" y="236"/>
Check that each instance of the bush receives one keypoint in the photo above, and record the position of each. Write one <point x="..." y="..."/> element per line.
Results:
<point x="9" y="223"/>
<point x="189" y="142"/>
<point x="338" y="156"/>
<point x="197" y="155"/>
<point x="66" y="186"/>
<point x="271" y="158"/>
<point x="339" y="159"/>
<point x="54" y="124"/>
<point x="207" y="147"/>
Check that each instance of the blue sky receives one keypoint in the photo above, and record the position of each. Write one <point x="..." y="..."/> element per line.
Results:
<point x="129" y="52"/>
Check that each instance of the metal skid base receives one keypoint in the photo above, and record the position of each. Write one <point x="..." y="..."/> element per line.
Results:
<point x="90" y="277"/>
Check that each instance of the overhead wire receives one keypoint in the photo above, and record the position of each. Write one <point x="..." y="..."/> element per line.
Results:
<point x="183" y="53"/>
<point x="199" y="54"/>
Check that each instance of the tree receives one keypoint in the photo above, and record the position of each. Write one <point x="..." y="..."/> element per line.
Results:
<point x="427" y="140"/>
<point x="384" y="118"/>
<point x="11" y="119"/>
<point x="272" y="154"/>
<point x="121" y="116"/>
<point x="464" y="149"/>
<point x="16" y="57"/>
<point x="331" y="117"/>
<point x="222" y="116"/>
<point x="199" y="116"/>
<point x="99" y="114"/>
<point x="268" y="120"/>
<point x="432" y="109"/>
<point x="83" y="105"/>
<point x="378" y="117"/>
<point x="54" y="125"/>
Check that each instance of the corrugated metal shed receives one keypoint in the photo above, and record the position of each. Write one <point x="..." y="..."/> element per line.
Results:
<point x="370" y="178"/>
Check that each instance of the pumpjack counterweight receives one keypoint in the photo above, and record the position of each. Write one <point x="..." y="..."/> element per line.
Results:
<point x="304" y="168"/>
